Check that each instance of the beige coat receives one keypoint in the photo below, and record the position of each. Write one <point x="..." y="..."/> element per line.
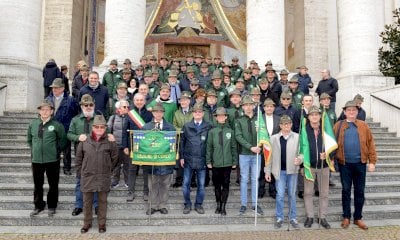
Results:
<point x="274" y="165"/>
<point x="95" y="162"/>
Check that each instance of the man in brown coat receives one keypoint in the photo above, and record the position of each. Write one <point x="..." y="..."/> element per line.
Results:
<point x="356" y="149"/>
<point x="95" y="159"/>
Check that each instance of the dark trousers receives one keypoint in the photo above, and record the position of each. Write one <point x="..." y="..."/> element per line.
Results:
<point x="123" y="160"/>
<point x="261" y="182"/>
<point x="353" y="174"/>
<point x="179" y="173"/>
<point x="67" y="156"/>
<point x="88" y="206"/>
<point x="221" y="179"/>
<point x="47" y="91"/>
<point x="133" y="172"/>
<point x="52" y="171"/>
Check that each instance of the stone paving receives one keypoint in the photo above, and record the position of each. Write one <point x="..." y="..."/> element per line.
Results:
<point x="374" y="233"/>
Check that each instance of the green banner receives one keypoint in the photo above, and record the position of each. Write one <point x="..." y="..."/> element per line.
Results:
<point x="154" y="148"/>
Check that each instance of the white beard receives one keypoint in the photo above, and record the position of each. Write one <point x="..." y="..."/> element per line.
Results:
<point x="88" y="114"/>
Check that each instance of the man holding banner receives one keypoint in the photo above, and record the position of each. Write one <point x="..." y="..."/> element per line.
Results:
<point x="160" y="176"/>
<point x="138" y="116"/>
<point x="317" y="164"/>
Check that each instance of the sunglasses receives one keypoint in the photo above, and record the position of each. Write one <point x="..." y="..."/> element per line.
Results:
<point x="99" y="127"/>
<point x="88" y="105"/>
<point x="124" y="106"/>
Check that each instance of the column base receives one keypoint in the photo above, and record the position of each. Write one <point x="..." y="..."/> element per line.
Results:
<point x="24" y="90"/>
<point x="360" y="83"/>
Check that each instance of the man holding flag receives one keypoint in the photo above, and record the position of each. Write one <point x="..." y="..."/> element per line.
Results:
<point x="284" y="165"/>
<point x="321" y="142"/>
<point x="246" y="136"/>
<point x="137" y="117"/>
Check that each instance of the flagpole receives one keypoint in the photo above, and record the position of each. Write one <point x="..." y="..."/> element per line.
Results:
<point x="257" y="170"/>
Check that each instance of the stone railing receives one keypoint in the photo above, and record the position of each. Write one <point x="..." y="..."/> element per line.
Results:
<point x="385" y="108"/>
<point x="2" y="98"/>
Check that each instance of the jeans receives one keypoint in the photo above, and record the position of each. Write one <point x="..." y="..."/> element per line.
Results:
<point x="288" y="181"/>
<point x="79" y="195"/>
<point x="353" y="174"/>
<point x="187" y="177"/>
<point x="249" y="165"/>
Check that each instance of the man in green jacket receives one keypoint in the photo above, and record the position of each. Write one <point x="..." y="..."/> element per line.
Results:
<point x="111" y="78"/>
<point x="249" y="161"/>
<point x="221" y="157"/>
<point x="46" y="137"/>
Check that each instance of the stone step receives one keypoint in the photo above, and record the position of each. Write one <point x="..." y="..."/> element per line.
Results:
<point x="388" y="152"/>
<point x="16" y="131"/>
<point x="68" y="189"/>
<point x="175" y="217"/>
<point x="12" y="136"/>
<point x="22" y="114"/>
<point x="382" y="145"/>
<point x="379" y="129"/>
<point x="14" y="125"/>
<point x="384" y="134"/>
<point x="176" y="202"/>
<point x="10" y="119"/>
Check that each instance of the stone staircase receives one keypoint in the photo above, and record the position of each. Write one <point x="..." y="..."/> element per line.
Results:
<point x="16" y="190"/>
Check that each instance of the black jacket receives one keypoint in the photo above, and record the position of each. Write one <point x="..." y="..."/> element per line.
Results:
<point x="329" y="86"/>
<point x="50" y="72"/>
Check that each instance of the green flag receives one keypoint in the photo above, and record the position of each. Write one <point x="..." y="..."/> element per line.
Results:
<point x="305" y="150"/>
<point x="328" y="138"/>
<point x="263" y="137"/>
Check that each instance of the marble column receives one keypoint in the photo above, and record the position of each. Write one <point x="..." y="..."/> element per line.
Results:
<point x="265" y="23"/>
<point x="124" y="30"/>
<point x="20" y="28"/>
<point x="359" y="24"/>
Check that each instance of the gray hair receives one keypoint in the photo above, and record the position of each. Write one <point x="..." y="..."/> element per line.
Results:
<point x="118" y="103"/>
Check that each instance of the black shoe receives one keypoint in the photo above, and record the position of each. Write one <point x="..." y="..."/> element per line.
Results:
<point x="218" y="209"/>
<point x="237" y="182"/>
<point x="51" y="212"/>
<point x="193" y="185"/>
<point x="324" y="223"/>
<point x="331" y="184"/>
<point x="316" y="193"/>
<point x="176" y="185"/>
<point x="308" y="223"/>
<point x="150" y="211"/>
<point x="163" y="211"/>
<point x="96" y="210"/>
<point x="36" y="211"/>
<point x="223" y="210"/>
<point x="261" y="193"/>
<point x="272" y="195"/>
<point x="67" y="172"/>
<point x="76" y="211"/>
<point x="300" y="194"/>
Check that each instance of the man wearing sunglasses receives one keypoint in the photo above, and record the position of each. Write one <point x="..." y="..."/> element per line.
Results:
<point x="46" y="137"/>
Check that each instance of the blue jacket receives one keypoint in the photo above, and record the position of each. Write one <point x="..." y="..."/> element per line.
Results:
<point x="160" y="170"/>
<point x="303" y="83"/>
<point x="68" y="109"/>
<point x="193" y="144"/>
<point x="50" y="72"/>
<point x="100" y="96"/>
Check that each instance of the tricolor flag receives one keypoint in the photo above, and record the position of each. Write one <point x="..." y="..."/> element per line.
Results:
<point x="263" y="137"/>
<point x="305" y="150"/>
<point x="329" y="139"/>
<point x="136" y="118"/>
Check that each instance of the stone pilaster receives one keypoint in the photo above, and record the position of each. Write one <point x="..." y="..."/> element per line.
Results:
<point x="124" y="30"/>
<point x="19" y="53"/>
<point x="359" y="24"/>
<point x="265" y="23"/>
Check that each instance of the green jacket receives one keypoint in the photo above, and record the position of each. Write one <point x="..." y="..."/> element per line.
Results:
<point x="163" y="74"/>
<point x="77" y="127"/>
<point x="222" y="96"/>
<point x="44" y="148"/>
<point x="297" y="96"/>
<point x="169" y="107"/>
<point x="245" y="133"/>
<point x="111" y="80"/>
<point x="180" y="119"/>
<point x="233" y="114"/>
<point x="236" y="72"/>
<point x="221" y="146"/>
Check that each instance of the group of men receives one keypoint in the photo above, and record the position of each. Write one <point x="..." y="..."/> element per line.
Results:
<point x="215" y="107"/>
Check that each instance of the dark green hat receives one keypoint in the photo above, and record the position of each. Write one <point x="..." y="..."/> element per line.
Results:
<point x="350" y="104"/>
<point x="285" y="119"/>
<point x="158" y="107"/>
<point x="99" y="120"/>
<point x="220" y="111"/>
<point x="197" y="107"/>
<point x="57" y="83"/>
<point x="46" y="103"/>
<point x="247" y="100"/>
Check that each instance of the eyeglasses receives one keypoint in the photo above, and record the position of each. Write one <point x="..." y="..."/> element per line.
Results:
<point x="124" y="106"/>
<point x="88" y="105"/>
<point x="99" y="127"/>
<point x="285" y="98"/>
<point x="194" y="85"/>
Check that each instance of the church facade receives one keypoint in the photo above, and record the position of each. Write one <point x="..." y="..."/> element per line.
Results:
<point x="339" y="35"/>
